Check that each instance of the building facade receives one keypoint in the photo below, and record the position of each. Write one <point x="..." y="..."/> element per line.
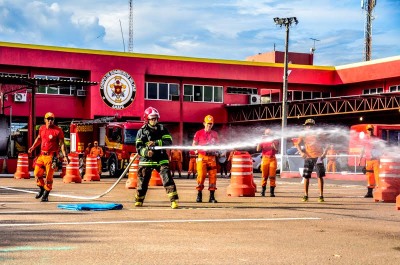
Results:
<point x="86" y="84"/>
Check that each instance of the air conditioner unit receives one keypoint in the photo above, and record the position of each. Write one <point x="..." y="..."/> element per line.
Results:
<point x="81" y="93"/>
<point x="20" y="97"/>
<point x="255" y="99"/>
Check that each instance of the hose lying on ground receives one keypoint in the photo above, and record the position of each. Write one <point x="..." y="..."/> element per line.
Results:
<point x="82" y="197"/>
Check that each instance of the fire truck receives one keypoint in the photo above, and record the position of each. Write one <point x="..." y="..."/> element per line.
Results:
<point x="116" y="138"/>
<point x="390" y="133"/>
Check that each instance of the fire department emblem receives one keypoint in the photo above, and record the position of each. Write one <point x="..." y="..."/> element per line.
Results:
<point x="117" y="89"/>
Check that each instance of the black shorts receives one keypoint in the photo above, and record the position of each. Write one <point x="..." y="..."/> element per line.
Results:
<point x="309" y="164"/>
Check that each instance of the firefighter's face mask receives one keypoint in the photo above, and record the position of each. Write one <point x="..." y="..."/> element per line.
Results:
<point x="153" y="122"/>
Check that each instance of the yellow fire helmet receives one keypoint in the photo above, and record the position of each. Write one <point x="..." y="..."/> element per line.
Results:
<point x="209" y="119"/>
<point x="309" y="122"/>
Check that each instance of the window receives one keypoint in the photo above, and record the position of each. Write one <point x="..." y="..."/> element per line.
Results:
<point x="162" y="91"/>
<point x="372" y="91"/>
<point x="199" y="93"/>
<point x="62" y="89"/>
<point x="394" y="88"/>
<point x="241" y="90"/>
<point x="302" y="95"/>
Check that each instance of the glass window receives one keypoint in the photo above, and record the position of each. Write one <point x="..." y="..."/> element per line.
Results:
<point x="218" y="93"/>
<point x="187" y="93"/>
<point x="151" y="91"/>
<point x="208" y="93"/>
<point x="306" y="95"/>
<point x="162" y="91"/>
<point x="130" y="136"/>
<point x="297" y="95"/>
<point x="392" y="88"/>
<point x="316" y="94"/>
<point x="198" y="93"/>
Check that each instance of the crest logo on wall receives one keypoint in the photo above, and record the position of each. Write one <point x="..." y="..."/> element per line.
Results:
<point x="117" y="89"/>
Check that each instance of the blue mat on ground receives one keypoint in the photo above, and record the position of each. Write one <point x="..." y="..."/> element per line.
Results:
<point x="91" y="206"/>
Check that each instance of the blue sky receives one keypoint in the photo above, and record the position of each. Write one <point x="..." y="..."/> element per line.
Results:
<point x="220" y="29"/>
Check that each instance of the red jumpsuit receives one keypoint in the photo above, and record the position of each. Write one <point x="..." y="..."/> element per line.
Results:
<point x="49" y="146"/>
<point x="206" y="160"/>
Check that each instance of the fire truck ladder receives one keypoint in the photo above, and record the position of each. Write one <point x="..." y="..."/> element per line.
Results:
<point x="99" y="120"/>
<point x="315" y="107"/>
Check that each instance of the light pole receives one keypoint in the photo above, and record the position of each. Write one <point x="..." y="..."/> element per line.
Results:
<point x="287" y="22"/>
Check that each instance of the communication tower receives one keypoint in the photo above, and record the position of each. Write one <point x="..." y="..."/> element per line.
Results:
<point x="130" y="44"/>
<point x="368" y="6"/>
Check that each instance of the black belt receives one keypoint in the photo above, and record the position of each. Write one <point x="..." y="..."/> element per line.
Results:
<point x="46" y="153"/>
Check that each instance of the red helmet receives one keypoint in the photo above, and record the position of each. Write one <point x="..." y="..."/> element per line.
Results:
<point x="150" y="113"/>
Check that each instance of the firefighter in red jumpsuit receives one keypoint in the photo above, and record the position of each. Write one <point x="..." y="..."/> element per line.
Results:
<point x="371" y="153"/>
<point x="268" y="147"/>
<point x="206" y="160"/>
<point x="152" y="135"/>
<point x="51" y="140"/>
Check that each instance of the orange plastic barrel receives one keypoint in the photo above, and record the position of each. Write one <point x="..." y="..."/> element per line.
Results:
<point x="242" y="182"/>
<point x="155" y="179"/>
<point x="91" y="169"/>
<point x="131" y="183"/>
<point x="72" y="169"/>
<point x="398" y="202"/>
<point x="22" y="171"/>
<point x="389" y="180"/>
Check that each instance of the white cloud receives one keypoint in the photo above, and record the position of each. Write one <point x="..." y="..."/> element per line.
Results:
<point x="226" y="29"/>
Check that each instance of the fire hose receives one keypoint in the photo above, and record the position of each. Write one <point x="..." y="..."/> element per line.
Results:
<point x="82" y="197"/>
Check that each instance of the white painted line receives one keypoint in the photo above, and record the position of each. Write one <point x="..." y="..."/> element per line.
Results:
<point x="163" y="221"/>
<point x="44" y="211"/>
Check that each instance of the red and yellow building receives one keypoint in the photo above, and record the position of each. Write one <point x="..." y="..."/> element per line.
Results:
<point x="86" y="84"/>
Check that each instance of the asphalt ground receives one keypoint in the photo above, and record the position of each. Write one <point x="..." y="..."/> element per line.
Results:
<point x="345" y="229"/>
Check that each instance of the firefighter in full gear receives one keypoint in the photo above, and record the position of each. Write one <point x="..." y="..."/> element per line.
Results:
<point x="268" y="147"/>
<point x="97" y="151"/>
<point x="206" y="160"/>
<point x="371" y="153"/>
<point x="51" y="140"/>
<point x="151" y="135"/>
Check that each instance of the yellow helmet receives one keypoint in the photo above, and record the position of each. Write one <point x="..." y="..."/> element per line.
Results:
<point x="309" y="122"/>
<point x="209" y="119"/>
<point x="49" y="115"/>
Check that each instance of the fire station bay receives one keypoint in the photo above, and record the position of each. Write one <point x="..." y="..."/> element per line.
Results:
<point x="244" y="97"/>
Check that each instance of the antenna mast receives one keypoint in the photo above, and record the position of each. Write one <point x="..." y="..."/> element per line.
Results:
<point x="368" y="6"/>
<point x="130" y="44"/>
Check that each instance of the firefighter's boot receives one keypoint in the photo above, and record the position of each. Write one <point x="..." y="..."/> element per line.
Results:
<point x="212" y="197"/>
<point x="199" y="196"/>
<point x="45" y="197"/>
<point x="40" y="193"/>
<point x="369" y="193"/>
<point x="174" y="204"/>
<point x="263" y="191"/>
<point x="272" y="191"/>
<point x="139" y="201"/>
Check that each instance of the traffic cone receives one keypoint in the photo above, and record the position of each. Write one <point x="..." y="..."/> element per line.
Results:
<point x="398" y="202"/>
<point x="242" y="182"/>
<point x="389" y="180"/>
<point x="22" y="171"/>
<point x="63" y="169"/>
<point x="155" y="179"/>
<point x="131" y="183"/>
<point x="91" y="169"/>
<point x="72" y="169"/>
